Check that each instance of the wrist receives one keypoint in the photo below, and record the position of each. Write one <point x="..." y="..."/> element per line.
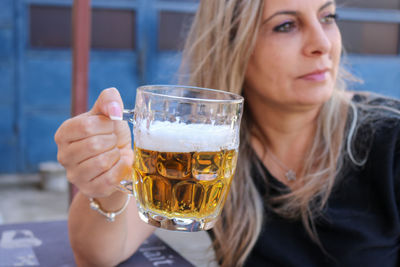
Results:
<point x="113" y="201"/>
<point x="110" y="207"/>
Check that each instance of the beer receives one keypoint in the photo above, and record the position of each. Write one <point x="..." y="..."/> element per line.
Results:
<point x="185" y="171"/>
<point x="185" y="151"/>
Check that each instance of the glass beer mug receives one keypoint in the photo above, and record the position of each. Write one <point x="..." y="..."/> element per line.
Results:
<point x="186" y="143"/>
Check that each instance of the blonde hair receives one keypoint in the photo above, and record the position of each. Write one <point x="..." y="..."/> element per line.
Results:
<point x="216" y="53"/>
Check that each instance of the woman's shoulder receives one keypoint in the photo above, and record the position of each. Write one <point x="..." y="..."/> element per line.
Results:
<point x="376" y="101"/>
<point x="374" y="125"/>
<point x="378" y="110"/>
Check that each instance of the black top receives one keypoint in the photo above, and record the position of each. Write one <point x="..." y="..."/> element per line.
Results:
<point x="360" y="225"/>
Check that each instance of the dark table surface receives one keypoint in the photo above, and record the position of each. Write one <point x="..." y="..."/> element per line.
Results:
<point x="46" y="244"/>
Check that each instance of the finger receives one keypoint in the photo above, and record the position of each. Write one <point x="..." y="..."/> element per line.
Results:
<point x="84" y="149"/>
<point x="83" y="126"/>
<point x="109" y="103"/>
<point x="106" y="183"/>
<point x="123" y="132"/>
<point x="94" y="167"/>
<point x="127" y="154"/>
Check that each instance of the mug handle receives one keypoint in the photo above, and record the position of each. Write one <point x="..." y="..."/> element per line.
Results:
<point x="127" y="115"/>
<point x="125" y="185"/>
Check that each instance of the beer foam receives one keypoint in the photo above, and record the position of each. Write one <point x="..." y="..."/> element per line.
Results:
<point x="165" y="136"/>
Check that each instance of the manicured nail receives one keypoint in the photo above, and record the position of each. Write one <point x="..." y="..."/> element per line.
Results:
<point x="115" y="111"/>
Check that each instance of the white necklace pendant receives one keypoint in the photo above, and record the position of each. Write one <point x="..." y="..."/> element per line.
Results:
<point x="290" y="175"/>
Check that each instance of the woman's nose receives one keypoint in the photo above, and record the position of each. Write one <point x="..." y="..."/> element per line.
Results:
<point x="317" y="41"/>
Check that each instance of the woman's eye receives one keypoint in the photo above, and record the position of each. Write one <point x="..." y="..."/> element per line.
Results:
<point x="285" y="27"/>
<point x="331" y="18"/>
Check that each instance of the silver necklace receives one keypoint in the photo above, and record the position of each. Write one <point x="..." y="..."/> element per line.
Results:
<point x="289" y="173"/>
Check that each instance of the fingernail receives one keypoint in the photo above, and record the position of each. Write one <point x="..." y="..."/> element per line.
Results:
<point x="114" y="111"/>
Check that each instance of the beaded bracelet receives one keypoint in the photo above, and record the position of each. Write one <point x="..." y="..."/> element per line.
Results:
<point x="95" y="205"/>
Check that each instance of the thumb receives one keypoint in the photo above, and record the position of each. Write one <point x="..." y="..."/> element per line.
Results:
<point x="109" y="103"/>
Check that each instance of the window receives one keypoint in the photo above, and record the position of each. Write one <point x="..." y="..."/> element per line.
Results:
<point x="113" y="29"/>
<point x="384" y="4"/>
<point x="370" y="38"/>
<point x="50" y="27"/>
<point x="370" y="26"/>
<point x="173" y="29"/>
<point x="189" y="1"/>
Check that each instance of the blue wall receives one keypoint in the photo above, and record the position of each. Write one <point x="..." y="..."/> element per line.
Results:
<point x="35" y="84"/>
<point x="380" y="74"/>
<point x="46" y="95"/>
<point x="8" y="128"/>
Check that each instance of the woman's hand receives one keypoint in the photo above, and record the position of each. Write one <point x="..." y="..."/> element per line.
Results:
<point x="95" y="150"/>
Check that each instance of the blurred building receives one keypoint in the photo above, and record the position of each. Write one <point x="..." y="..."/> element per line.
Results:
<point x="136" y="42"/>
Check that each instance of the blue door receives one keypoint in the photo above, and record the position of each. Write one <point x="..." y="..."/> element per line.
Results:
<point x="134" y="42"/>
<point x="45" y="67"/>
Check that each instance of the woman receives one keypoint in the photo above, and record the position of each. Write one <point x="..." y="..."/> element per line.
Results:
<point x="317" y="181"/>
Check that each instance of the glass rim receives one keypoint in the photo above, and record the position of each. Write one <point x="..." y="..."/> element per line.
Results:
<point x="148" y="89"/>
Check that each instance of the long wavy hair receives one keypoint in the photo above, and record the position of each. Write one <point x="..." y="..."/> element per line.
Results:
<point x="216" y="53"/>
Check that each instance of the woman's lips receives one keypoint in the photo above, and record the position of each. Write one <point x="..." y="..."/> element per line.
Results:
<point x="316" y="76"/>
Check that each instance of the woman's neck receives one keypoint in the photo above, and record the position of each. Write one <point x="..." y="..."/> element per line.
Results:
<point x="286" y="134"/>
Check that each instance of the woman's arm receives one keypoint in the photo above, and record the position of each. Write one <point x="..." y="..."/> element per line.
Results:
<point x="98" y="242"/>
<point x="96" y="153"/>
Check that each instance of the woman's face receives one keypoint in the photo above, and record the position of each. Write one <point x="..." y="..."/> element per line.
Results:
<point x="297" y="53"/>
